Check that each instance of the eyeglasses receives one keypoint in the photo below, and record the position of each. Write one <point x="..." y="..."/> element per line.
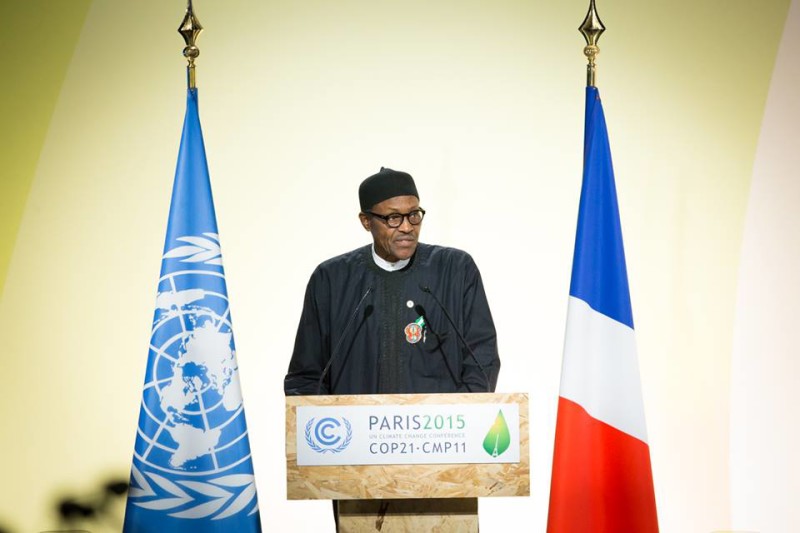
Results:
<point x="395" y="220"/>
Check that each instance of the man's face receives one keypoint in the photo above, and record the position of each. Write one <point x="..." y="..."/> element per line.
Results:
<point x="393" y="244"/>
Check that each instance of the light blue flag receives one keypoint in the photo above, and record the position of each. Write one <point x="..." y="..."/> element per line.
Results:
<point x="192" y="469"/>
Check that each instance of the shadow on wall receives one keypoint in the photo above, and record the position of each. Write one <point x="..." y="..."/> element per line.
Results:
<point x="96" y="511"/>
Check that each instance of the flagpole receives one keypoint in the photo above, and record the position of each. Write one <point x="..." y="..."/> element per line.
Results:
<point x="190" y="29"/>
<point x="591" y="29"/>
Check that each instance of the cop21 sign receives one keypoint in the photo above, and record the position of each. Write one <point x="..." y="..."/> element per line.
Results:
<point x="407" y="434"/>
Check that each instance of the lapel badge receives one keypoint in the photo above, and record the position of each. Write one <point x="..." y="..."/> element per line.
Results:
<point x="415" y="331"/>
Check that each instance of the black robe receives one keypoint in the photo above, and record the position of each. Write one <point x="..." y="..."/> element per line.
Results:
<point x="374" y="354"/>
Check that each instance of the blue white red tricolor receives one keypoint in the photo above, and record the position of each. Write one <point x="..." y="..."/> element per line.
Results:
<point x="602" y="480"/>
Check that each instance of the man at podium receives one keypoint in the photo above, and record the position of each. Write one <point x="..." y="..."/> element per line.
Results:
<point x="394" y="316"/>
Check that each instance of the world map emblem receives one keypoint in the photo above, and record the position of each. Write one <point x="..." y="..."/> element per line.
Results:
<point x="192" y="454"/>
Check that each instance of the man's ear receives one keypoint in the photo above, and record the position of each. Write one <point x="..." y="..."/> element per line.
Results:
<point x="364" y="221"/>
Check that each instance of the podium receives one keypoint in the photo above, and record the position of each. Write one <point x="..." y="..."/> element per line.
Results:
<point x="407" y="462"/>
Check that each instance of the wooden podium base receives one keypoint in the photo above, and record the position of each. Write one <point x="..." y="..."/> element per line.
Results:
<point x="440" y="515"/>
<point x="419" y="498"/>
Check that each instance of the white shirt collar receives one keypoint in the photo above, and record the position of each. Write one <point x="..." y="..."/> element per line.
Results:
<point x="386" y="265"/>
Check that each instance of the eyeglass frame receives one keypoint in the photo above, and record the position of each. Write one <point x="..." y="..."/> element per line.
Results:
<point x="403" y="217"/>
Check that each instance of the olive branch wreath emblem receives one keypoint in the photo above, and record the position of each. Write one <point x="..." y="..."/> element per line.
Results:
<point x="240" y="493"/>
<point x="317" y="448"/>
<point x="198" y="250"/>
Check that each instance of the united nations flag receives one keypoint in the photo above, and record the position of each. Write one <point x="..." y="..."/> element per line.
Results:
<point x="192" y="468"/>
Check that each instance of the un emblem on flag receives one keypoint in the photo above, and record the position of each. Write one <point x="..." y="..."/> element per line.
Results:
<point x="192" y="397"/>
<point x="192" y="458"/>
<point x="192" y="432"/>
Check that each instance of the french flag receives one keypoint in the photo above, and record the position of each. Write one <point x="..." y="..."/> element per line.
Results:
<point x="602" y="481"/>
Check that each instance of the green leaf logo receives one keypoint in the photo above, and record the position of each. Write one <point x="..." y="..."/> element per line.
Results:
<point x="499" y="438"/>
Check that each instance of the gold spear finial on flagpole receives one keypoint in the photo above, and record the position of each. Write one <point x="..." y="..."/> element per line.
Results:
<point x="190" y="29"/>
<point x="591" y="29"/>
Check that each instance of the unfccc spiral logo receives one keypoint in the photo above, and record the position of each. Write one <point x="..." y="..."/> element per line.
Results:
<point x="329" y="434"/>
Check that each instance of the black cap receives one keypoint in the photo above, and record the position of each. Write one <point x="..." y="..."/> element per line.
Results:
<point x="385" y="184"/>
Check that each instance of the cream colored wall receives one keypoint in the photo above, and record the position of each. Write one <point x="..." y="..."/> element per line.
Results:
<point x="483" y="103"/>
<point x="765" y="367"/>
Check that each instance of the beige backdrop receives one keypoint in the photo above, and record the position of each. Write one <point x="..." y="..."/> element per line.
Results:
<point x="483" y="104"/>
